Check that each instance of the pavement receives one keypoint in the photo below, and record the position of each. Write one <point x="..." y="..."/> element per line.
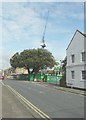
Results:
<point x="0" y="101"/>
<point x="12" y="107"/>
<point x="71" y="90"/>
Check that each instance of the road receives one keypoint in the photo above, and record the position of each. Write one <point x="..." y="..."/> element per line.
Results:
<point x="55" y="103"/>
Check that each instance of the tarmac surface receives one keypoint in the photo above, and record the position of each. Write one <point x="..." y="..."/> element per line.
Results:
<point x="12" y="107"/>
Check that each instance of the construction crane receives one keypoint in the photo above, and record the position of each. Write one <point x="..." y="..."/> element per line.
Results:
<point x="43" y="41"/>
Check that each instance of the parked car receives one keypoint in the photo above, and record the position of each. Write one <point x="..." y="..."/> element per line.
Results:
<point x="2" y="77"/>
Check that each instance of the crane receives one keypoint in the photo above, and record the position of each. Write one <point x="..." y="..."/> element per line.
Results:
<point x="43" y="41"/>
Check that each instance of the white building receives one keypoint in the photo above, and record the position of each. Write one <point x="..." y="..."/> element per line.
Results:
<point x="76" y="61"/>
<point x="1" y="72"/>
<point x="21" y="71"/>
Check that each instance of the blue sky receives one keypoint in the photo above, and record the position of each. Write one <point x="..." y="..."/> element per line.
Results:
<point x="23" y="25"/>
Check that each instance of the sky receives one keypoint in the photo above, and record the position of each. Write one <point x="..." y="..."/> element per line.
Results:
<point x="22" y="26"/>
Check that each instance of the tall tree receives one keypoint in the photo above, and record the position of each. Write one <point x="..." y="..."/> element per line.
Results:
<point x="35" y="59"/>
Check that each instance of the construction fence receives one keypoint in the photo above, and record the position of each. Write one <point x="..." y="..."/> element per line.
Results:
<point x="39" y="78"/>
<point x="45" y="78"/>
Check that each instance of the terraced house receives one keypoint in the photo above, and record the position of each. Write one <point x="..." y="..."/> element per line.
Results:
<point x="76" y="61"/>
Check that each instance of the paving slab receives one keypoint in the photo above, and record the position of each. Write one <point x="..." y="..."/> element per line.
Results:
<point x="12" y="107"/>
<point x="72" y="90"/>
<point x="0" y="100"/>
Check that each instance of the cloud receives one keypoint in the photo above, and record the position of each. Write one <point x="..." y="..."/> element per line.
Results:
<point x="57" y="48"/>
<point x="67" y="12"/>
<point x="27" y="22"/>
<point x="6" y="54"/>
<point x="23" y="25"/>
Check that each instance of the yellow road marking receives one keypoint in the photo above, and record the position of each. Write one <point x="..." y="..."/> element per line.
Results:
<point x="42" y="114"/>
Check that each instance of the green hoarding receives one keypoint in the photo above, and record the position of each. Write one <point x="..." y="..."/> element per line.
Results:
<point x="52" y="78"/>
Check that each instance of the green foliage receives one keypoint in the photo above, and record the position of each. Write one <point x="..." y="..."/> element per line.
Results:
<point x="14" y="61"/>
<point x="33" y="58"/>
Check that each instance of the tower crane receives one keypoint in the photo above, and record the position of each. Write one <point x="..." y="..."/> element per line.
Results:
<point x="43" y="45"/>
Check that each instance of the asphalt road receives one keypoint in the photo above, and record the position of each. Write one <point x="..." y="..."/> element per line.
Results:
<point x="55" y="103"/>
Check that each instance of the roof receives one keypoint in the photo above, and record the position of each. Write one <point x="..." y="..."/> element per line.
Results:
<point x="74" y="36"/>
<point x="84" y="34"/>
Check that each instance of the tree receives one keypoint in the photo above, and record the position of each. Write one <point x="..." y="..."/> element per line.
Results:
<point x="35" y="59"/>
<point x="14" y="61"/>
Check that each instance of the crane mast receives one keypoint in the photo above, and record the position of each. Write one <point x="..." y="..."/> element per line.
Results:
<point x="43" y="41"/>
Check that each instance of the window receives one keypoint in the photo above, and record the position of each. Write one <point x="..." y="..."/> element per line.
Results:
<point x="72" y="74"/>
<point x="83" y="56"/>
<point x="73" y="58"/>
<point x="84" y="74"/>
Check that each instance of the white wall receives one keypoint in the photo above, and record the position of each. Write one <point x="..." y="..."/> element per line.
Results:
<point x="76" y="47"/>
<point x="77" y="82"/>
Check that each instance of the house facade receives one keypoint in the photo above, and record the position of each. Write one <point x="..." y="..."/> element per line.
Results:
<point x="21" y="71"/>
<point x="76" y="61"/>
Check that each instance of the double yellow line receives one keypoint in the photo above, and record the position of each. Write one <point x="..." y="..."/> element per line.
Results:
<point x="38" y="111"/>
